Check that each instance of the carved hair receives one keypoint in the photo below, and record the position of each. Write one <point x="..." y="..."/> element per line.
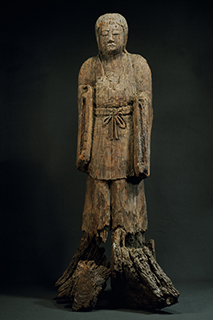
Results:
<point x="114" y="17"/>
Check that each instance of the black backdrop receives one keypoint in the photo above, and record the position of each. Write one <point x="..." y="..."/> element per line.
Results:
<point x="43" y="44"/>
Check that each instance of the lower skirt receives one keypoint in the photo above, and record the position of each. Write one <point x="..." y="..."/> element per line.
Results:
<point x="115" y="203"/>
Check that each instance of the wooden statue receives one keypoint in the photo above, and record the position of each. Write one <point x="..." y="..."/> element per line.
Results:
<point x="115" y="120"/>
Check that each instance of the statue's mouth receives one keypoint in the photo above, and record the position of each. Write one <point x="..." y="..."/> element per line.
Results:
<point x="111" y="46"/>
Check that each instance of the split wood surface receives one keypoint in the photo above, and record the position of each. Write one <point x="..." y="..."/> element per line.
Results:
<point x="114" y="130"/>
<point x="86" y="276"/>
<point x="137" y="278"/>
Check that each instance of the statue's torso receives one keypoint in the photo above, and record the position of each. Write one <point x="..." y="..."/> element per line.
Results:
<point x="115" y="84"/>
<point x="112" y="150"/>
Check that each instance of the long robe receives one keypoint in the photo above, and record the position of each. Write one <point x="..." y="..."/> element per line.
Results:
<point x="114" y="142"/>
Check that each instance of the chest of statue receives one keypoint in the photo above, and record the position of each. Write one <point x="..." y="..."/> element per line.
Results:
<point x="115" y="84"/>
<point x="112" y="149"/>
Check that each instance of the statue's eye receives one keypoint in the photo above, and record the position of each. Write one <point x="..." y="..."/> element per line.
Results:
<point x="105" y="32"/>
<point x="115" y="32"/>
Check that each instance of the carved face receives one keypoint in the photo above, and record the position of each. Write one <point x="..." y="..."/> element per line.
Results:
<point x="111" y="38"/>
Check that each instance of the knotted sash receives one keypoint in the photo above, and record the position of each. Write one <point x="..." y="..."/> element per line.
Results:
<point x="113" y="119"/>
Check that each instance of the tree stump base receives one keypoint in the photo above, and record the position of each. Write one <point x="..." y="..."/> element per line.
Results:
<point x="136" y="277"/>
<point x="86" y="276"/>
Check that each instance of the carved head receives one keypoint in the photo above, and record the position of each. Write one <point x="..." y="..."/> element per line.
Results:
<point x="111" y="33"/>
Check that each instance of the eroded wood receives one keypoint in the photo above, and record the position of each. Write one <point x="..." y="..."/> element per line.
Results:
<point x="88" y="280"/>
<point x="138" y="278"/>
<point x="86" y="276"/>
<point x="114" y="132"/>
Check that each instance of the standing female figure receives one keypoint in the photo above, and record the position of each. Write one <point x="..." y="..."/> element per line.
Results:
<point x="115" y="120"/>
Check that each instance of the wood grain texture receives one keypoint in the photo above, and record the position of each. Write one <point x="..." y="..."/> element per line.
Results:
<point x="85" y="277"/>
<point x="114" y="135"/>
<point x="87" y="282"/>
<point x="116" y="203"/>
<point x="138" y="278"/>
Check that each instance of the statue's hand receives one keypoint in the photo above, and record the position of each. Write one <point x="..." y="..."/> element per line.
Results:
<point x="142" y="171"/>
<point x="83" y="161"/>
<point x="84" y="157"/>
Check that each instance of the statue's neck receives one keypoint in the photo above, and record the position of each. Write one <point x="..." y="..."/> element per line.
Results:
<point x="108" y="58"/>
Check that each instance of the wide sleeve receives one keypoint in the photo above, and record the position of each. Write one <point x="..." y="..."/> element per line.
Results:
<point x="85" y="115"/>
<point x="142" y="117"/>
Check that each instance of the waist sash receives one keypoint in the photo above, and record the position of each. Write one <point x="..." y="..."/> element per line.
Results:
<point x="112" y="117"/>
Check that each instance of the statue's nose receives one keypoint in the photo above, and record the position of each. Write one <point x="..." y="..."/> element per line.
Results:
<point x="110" y="37"/>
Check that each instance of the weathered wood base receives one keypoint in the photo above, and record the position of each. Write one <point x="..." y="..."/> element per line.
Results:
<point x="136" y="277"/>
<point x="85" y="277"/>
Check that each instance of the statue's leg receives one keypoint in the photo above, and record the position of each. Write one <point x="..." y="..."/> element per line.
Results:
<point x="86" y="276"/>
<point x="96" y="213"/>
<point x="136" y="276"/>
<point x="128" y="206"/>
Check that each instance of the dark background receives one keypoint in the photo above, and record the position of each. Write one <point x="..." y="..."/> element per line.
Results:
<point x="43" y="44"/>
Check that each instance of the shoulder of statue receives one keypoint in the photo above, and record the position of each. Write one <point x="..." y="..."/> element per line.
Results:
<point x="138" y="60"/>
<point x="90" y="62"/>
<point x="142" y="73"/>
<point x="87" y="71"/>
<point x="141" y="68"/>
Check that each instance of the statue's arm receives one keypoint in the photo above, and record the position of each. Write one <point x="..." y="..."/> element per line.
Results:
<point x="143" y="116"/>
<point x="86" y="83"/>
